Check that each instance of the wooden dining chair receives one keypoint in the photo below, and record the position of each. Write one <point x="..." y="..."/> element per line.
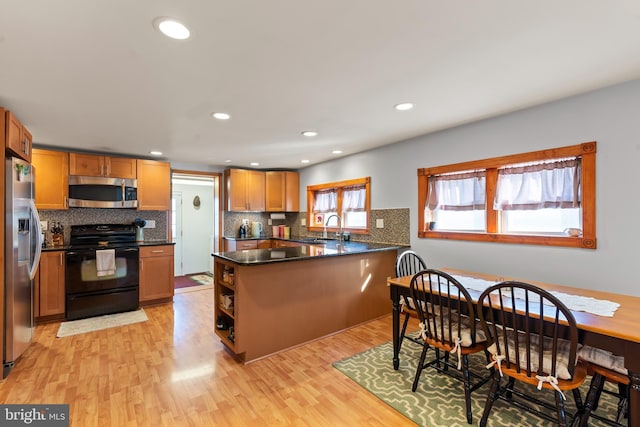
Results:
<point x="409" y="263"/>
<point x="532" y="349"/>
<point x="448" y="325"/>
<point x="605" y="366"/>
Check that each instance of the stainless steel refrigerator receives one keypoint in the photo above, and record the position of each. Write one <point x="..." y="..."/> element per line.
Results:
<point x="23" y="246"/>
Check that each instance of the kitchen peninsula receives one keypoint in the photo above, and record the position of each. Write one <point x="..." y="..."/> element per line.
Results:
<point x="269" y="300"/>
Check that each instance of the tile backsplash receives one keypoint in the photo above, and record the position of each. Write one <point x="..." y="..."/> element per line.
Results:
<point x="395" y="231"/>
<point x="79" y="216"/>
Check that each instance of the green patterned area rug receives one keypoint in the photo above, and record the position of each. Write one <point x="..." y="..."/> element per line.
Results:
<point x="439" y="399"/>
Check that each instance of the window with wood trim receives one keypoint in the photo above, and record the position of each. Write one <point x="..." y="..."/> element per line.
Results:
<point x="543" y="197"/>
<point x="349" y="200"/>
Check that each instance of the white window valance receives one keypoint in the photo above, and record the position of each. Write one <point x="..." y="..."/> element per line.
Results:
<point x="457" y="191"/>
<point x="354" y="199"/>
<point x="326" y="201"/>
<point x="552" y="184"/>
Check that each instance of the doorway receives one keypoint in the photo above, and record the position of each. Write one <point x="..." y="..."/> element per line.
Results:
<point x="195" y="221"/>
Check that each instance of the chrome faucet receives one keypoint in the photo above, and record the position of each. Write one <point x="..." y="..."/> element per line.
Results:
<point x="339" y="234"/>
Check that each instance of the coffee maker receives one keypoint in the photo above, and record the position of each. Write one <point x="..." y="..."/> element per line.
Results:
<point x="244" y="229"/>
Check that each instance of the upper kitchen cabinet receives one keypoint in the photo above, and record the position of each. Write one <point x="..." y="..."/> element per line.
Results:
<point x="245" y="190"/>
<point x="154" y="185"/>
<point x="96" y="165"/>
<point x="52" y="178"/>
<point x="282" y="191"/>
<point x="18" y="138"/>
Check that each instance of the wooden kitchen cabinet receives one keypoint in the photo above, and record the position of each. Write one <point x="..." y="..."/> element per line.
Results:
<point x="97" y="165"/>
<point x="154" y="185"/>
<point x="245" y="190"/>
<point x="50" y="292"/>
<point x="52" y="178"/>
<point x="282" y="191"/>
<point x="18" y="138"/>
<point x="231" y="245"/>
<point x="264" y="244"/>
<point x="156" y="274"/>
<point x="287" y="244"/>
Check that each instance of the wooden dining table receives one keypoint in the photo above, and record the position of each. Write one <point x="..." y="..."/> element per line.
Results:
<point x="619" y="334"/>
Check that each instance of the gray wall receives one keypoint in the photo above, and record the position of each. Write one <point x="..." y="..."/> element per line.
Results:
<point x="608" y="116"/>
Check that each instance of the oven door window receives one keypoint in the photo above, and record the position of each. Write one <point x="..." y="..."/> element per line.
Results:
<point x="89" y="270"/>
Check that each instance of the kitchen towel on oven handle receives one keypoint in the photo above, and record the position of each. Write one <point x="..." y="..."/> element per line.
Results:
<point x="106" y="262"/>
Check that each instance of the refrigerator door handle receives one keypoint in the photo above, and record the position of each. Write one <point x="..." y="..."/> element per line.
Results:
<point x="38" y="237"/>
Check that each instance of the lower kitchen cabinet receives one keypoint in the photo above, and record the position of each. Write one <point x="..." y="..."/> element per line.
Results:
<point x="50" y="292"/>
<point x="231" y="245"/>
<point x="156" y="274"/>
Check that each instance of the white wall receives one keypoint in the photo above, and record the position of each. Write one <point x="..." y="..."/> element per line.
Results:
<point x="197" y="228"/>
<point x="609" y="116"/>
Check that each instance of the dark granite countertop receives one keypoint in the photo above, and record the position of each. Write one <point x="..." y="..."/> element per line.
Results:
<point x="145" y="243"/>
<point x="316" y="249"/>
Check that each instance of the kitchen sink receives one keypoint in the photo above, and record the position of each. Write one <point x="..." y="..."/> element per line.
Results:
<point x="315" y="240"/>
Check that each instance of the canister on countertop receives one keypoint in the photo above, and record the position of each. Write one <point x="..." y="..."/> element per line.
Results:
<point x="287" y="232"/>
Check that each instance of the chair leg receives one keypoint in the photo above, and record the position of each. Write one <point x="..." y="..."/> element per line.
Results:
<point x="467" y="387"/>
<point x="623" y="403"/>
<point x="562" y="416"/>
<point x="510" y="385"/>
<point x="403" y="331"/>
<point x="491" y="397"/>
<point x="420" y="367"/>
<point x="577" y="417"/>
<point x="597" y="382"/>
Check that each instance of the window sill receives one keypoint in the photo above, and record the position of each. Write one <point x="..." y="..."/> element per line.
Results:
<point x="566" y="241"/>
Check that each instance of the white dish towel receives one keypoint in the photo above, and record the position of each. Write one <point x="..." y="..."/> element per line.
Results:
<point x="106" y="262"/>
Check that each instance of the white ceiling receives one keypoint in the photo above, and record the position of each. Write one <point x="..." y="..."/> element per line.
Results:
<point x="96" y="75"/>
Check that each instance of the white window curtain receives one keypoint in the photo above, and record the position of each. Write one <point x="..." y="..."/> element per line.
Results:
<point x="457" y="191"/>
<point x="553" y="184"/>
<point x="354" y="199"/>
<point x="326" y="201"/>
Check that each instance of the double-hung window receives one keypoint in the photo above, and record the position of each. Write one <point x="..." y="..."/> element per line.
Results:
<point x="348" y="200"/>
<point x="543" y="197"/>
<point x="456" y="201"/>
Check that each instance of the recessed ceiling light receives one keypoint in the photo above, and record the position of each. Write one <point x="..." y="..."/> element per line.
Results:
<point x="172" y="28"/>
<point x="404" y="106"/>
<point x="155" y="153"/>
<point x="228" y="161"/>
<point x="255" y="164"/>
<point x="221" y="116"/>
<point x="304" y="161"/>
<point x="336" y="152"/>
<point x="310" y="133"/>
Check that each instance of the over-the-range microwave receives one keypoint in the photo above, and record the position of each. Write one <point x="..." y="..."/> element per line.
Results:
<point x="102" y="192"/>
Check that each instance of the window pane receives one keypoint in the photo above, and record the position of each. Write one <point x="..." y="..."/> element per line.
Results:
<point x="355" y="219"/>
<point x="459" y="220"/>
<point x="541" y="221"/>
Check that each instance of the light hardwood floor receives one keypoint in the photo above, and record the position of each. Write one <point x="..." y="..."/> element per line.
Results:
<point x="173" y="371"/>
